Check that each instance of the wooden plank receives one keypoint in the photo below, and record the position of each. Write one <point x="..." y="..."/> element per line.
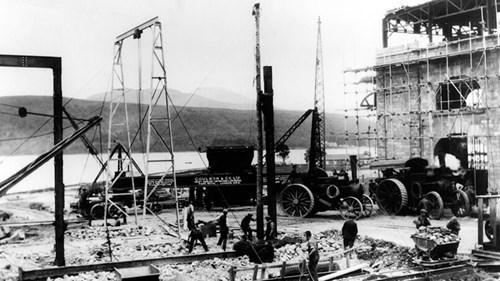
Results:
<point x="343" y="272"/>
<point x="44" y="273"/>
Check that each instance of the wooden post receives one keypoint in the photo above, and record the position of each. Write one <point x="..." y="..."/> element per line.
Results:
<point x="330" y="264"/>
<point x="283" y="269"/>
<point x="232" y="274"/>
<point x="269" y="129"/>
<point x="255" y="270"/>
<point x="260" y="207"/>
<point x="480" y="221"/>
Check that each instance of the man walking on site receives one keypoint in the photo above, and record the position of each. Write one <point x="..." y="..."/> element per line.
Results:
<point x="224" y="230"/>
<point x="312" y="250"/>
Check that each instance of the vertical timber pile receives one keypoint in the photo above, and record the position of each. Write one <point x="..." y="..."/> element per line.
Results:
<point x="260" y="210"/>
<point x="269" y="129"/>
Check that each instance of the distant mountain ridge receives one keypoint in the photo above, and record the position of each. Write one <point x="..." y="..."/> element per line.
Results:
<point x="209" y="97"/>
<point x="200" y="126"/>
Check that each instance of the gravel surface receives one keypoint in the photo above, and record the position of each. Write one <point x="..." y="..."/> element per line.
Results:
<point x="384" y="241"/>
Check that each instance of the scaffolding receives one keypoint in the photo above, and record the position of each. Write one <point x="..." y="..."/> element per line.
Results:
<point x="422" y="94"/>
<point x="158" y="122"/>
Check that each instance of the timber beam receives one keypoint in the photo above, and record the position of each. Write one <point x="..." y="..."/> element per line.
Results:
<point x="44" y="273"/>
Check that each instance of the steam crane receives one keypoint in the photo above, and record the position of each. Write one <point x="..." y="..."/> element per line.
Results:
<point x="317" y="154"/>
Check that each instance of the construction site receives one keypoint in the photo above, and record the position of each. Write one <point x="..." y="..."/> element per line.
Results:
<point x="431" y="149"/>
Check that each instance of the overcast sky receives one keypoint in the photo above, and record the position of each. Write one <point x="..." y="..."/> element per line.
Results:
<point x="206" y="43"/>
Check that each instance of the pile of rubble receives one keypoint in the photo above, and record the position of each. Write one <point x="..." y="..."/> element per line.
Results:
<point x="92" y="232"/>
<point x="289" y="248"/>
<point x="438" y="234"/>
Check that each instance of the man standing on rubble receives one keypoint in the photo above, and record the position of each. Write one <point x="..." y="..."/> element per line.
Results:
<point x="224" y="230"/>
<point x="312" y="250"/>
<point x="196" y="235"/>
<point x="270" y="229"/>
<point x="245" y="226"/>
<point x="349" y="232"/>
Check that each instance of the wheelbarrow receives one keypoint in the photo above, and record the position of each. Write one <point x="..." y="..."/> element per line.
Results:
<point x="433" y="250"/>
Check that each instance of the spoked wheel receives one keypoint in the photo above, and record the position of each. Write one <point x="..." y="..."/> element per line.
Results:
<point x="97" y="212"/>
<point x="367" y="203"/>
<point x="392" y="196"/>
<point x="460" y="204"/>
<point x="436" y="205"/>
<point x="351" y="208"/>
<point x="113" y="211"/>
<point x="297" y="200"/>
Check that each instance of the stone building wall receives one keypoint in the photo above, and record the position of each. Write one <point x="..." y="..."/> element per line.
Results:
<point x="409" y="123"/>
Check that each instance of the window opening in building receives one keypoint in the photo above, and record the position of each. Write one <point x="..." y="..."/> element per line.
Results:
<point x="459" y="92"/>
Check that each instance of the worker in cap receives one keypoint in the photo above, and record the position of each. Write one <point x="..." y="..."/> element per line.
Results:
<point x="245" y="226"/>
<point x="270" y="229"/>
<point x="223" y="228"/>
<point x="453" y="225"/>
<point x="422" y="219"/>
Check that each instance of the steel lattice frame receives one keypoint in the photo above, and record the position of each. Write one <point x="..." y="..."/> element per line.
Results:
<point x="319" y="105"/>
<point x="158" y="121"/>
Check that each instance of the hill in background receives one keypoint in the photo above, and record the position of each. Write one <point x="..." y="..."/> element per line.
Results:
<point x="210" y="97"/>
<point x="196" y="128"/>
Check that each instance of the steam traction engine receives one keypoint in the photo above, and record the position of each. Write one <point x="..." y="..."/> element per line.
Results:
<point x="305" y="194"/>
<point x="402" y="190"/>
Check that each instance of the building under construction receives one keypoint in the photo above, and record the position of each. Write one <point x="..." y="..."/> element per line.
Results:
<point x="442" y="87"/>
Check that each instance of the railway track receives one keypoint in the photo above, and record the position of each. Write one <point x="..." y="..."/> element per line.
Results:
<point x="44" y="273"/>
<point x="414" y="274"/>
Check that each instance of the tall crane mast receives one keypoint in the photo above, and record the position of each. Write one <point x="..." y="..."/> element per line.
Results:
<point x="317" y="153"/>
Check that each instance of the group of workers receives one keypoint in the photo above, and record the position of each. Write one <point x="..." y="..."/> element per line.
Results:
<point x="195" y="234"/>
<point x="423" y="219"/>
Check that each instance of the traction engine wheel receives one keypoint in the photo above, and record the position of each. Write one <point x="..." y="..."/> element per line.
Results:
<point x="97" y="212"/>
<point x="367" y="203"/>
<point x="113" y="210"/>
<point x="461" y="204"/>
<point x="392" y="196"/>
<point x="297" y="200"/>
<point x="436" y="206"/>
<point x="351" y="208"/>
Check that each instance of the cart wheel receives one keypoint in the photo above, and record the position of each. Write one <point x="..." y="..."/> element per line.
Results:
<point x="113" y="211"/>
<point x="367" y="203"/>
<point x="97" y="212"/>
<point x="488" y="230"/>
<point x="461" y="204"/>
<point x="350" y="208"/>
<point x="297" y="200"/>
<point x="436" y="206"/>
<point x="391" y="196"/>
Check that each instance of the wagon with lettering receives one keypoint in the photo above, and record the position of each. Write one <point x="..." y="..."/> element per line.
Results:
<point x="230" y="179"/>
